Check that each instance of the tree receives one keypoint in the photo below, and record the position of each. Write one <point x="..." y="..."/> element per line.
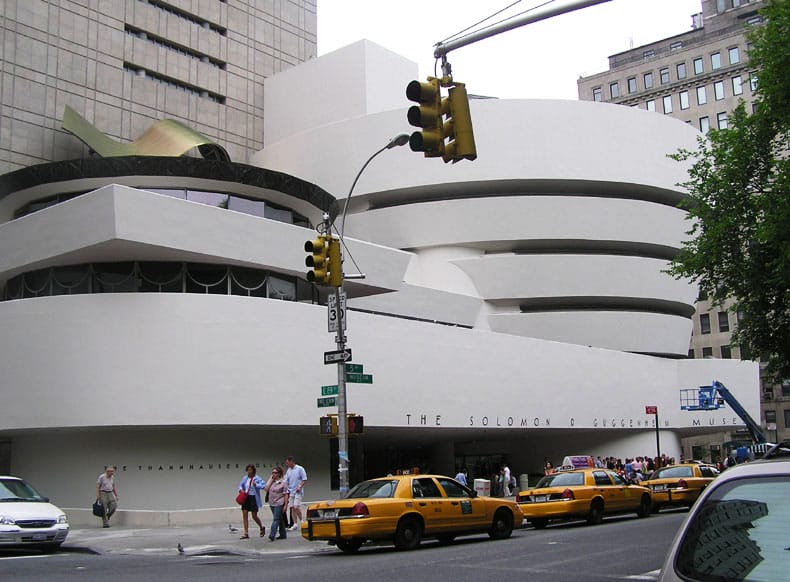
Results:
<point x="739" y="204"/>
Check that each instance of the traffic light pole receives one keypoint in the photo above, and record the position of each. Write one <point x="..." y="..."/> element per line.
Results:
<point x="342" y="408"/>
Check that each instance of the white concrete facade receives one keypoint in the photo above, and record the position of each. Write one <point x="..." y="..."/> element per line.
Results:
<point x="503" y="302"/>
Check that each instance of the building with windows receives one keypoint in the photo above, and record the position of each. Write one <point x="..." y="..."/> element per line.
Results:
<point x="155" y="316"/>
<point x="124" y="64"/>
<point x="698" y="77"/>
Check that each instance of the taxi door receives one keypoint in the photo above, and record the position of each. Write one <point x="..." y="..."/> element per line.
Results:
<point x="464" y="511"/>
<point x="627" y="499"/>
<point x="611" y="493"/>
<point x="430" y="503"/>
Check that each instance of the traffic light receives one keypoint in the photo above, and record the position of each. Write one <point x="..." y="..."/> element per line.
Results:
<point x="356" y="424"/>
<point x="327" y="426"/>
<point x="458" y="127"/>
<point x="335" y="263"/>
<point x="428" y="116"/>
<point x="318" y="260"/>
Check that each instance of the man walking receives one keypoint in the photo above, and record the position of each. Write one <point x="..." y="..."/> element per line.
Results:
<point x="107" y="494"/>
<point x="295" y="478"/>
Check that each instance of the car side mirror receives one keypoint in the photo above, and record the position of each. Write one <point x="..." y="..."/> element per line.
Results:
<point x="45" y="499"/>
<point x="473" y="494"/>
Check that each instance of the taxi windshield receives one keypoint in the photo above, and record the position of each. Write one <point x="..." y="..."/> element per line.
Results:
<point x="672" y="472"/>
<point x="17" y="490"/>
<point x="561" y="480"/>
<point x="376" y="488"/>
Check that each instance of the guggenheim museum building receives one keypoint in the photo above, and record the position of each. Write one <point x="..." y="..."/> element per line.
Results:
<point x="155" y="313"/>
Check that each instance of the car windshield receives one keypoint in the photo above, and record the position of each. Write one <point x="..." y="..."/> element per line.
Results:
<point x="373" y="489"/>
<point x="739" y="533"/>
<point x="561" y="480"/>
<point x="17" y="490"/>
<point x="673" y="473"/>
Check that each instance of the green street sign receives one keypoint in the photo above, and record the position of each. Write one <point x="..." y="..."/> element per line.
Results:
<point x="353" y="368"/>
<point x="326" y="402"/>
<point x="329" y="390"/>
<point x="360" y="378"/>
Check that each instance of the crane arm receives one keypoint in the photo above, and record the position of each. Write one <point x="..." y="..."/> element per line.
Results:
<point x="754" y="428"/>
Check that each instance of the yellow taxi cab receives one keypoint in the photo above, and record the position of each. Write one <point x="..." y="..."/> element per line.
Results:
<point x="404" y="509"/>
<point x="582" y="494"/>
<point x="678" y="484"/>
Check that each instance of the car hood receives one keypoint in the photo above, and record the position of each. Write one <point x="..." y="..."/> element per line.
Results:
<point x="29" y="510"/>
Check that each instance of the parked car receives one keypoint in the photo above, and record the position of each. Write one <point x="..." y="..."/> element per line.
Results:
<point x="582" y="494"/>
<point x="404" y="509"/>
<point x="678" y="484"/>
<point x="737" y="529"/>
<point x="28" y="519"/>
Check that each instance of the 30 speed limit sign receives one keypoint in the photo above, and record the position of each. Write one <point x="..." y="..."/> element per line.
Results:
<point x="333" y="314"/>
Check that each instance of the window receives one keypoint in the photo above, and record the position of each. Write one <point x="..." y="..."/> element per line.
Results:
<point x="453" y="489"/>
<point x="724" y="321"/>
<point x="691" y="352"/>
<point x="597" y="94"/>
<point x="632" y="84"/>
<point x="648" y="54"/>
<point x="702" y="96"/>
<point x="704" y="124"/>
<point x="754" y="20"/>
<point x="425" y="488"/>
<point x="699" y="66"/>
<point x="715" y="61"/>
<point x="667" y="104"/>
<point x="650" y="105"/>
<point x="745" y="353"/>
<point x="736" y="3"/>
<point x="753" y="83"/>
<point x="770" y="416"/>
<point x="681" y="70"/>
<point x="678" y="44"/>
<point x="721" y="120"/>
<point x="601" y="478"/>
<point x="786" y="393"/>
<point x="735" y="55"/>
<point x="737" y="85"/>
<point x="787" y="417"/>
<point x="707" y="352"/>
<point x="663" y="74"/>
<point x="718" y="90"/>
<point x="684" y="99"/>
<point x="614" y="90"/>
<point x="726" y="352"/>
<point x="704" y="323"/>
<point x="648" y="79"/>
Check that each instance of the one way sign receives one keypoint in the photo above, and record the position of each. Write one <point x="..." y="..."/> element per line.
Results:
<point x="337" y="356"/>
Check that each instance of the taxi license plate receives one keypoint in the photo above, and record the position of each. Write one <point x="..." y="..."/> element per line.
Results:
<point x="541" y="498"/>
<point x="659" y="487"/>
<point x="329" y="513"/>
<point x="39" y="537"/>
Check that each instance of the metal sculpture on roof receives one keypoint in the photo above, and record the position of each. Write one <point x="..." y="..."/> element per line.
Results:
<point x="165" y="137"/>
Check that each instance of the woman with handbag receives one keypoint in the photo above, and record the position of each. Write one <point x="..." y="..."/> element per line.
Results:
<point x="249" y="498"/>
<point x="277" y="495"/>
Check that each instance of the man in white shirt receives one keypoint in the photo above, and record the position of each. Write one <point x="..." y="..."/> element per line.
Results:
<point x="506" y="487"/>
<point x="295" y="477"/>
<point x="107" y="493"/>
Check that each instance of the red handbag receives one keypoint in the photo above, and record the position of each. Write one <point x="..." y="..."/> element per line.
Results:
<point x="242" y="496"/>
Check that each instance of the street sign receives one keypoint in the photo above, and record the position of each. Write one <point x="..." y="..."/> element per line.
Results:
<point x="353" y="368"/>
<point x="329" y="390"/>
<point x="333" y="314"/>
<point x="326" y="402"/>
<point x="336" y="356"/>
<point x="360" y="378"/>
<point x="651" y="409"/>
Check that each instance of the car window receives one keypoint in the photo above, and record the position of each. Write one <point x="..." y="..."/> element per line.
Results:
<point x="561" y="480"/>
<point x="425" y="487"/>
<point x="453" y="488"/>
<point x="706" y="472"/>
<point x="18" y="490"/>
<point x="739" y="533"/>
<point x="617" y="479"/>
<point x="673" y="472"/>
<point x="373" y="489"/>
<point x="601" y="478"/>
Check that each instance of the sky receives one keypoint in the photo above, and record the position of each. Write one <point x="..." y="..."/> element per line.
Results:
<point x="540" y="60"/>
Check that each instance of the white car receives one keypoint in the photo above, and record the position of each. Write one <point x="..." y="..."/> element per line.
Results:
<point x="28" y="519"/>
<point x="738" y="528"/>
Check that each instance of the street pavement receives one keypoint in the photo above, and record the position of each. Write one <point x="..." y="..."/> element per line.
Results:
<point x="621" y="548"/>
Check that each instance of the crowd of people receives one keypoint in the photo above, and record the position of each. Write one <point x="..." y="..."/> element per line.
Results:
<point x="631" y="469"/>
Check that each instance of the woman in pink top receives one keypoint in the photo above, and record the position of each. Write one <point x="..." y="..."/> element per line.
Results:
<point x="277" y="489"/>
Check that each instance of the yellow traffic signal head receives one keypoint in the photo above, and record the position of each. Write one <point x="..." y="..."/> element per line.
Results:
<point x="461" y="134"/>
<point x="427" y="115"/>
<point x="318" y="260"/>
<point x="335" y="263"/>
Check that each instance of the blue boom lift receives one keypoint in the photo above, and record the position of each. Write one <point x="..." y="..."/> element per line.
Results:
<point x="713" y="397"/>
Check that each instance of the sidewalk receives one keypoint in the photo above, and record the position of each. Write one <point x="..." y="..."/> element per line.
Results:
<point x="203" y="540"/>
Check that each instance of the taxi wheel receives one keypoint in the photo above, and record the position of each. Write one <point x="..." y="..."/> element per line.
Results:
<point x="349" y="546"/>
<point x="502" y="526"/>
<point x="539" y="523"/>
<point x="408" y="534"/>
<point x="644" y="506"/>
<point x="596" y="512"/>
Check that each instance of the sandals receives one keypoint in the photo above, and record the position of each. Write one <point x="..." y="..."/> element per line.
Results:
<point x="263" y="532"/>
<point x="244" y="537"/>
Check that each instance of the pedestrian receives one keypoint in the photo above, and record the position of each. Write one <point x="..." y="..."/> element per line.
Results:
<point x="295" y="477"/>
<point x="505" y="480"/>
<point x="107" y="494"/>
<point x="461" y="477"/>
<point x="251" y="484"/>
<point x="277" y="492"/>
<point x="548" y="468"/>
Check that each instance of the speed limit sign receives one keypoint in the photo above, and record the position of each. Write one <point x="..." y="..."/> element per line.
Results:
<point x="333" y="314"/>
